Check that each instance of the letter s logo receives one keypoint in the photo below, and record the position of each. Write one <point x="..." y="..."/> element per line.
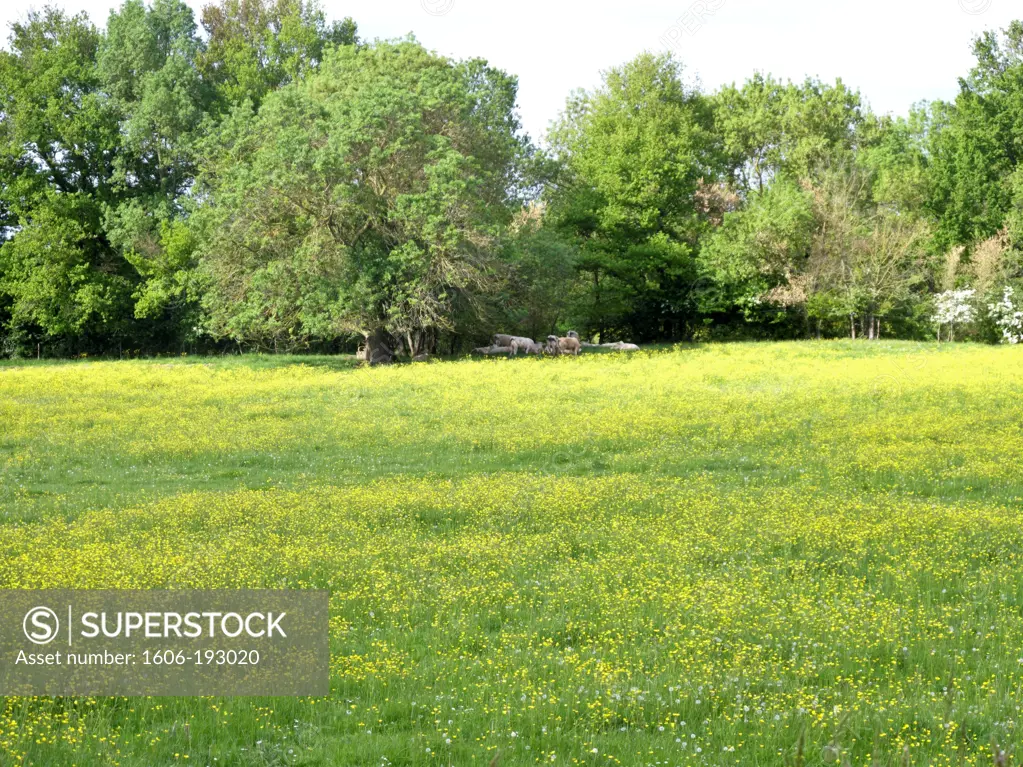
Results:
<point x="41" y="625"/>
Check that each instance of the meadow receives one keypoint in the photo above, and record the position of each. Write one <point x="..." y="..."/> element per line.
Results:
<point x="751" y="554"/>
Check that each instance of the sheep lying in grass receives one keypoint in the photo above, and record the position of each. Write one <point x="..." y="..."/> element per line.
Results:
<point x="531" y="348"/>
<point x="618" y="346"/>
<point x="621" y="346"/>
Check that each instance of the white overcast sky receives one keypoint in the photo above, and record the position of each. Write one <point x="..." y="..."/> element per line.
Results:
<point x="896" y="52"/>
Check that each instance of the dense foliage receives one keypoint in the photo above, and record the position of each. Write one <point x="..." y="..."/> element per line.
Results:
<point x="368" y="195"/>
<point x="264" y="179"/>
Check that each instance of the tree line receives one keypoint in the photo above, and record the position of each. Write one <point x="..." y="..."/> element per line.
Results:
<point x="264" y="179"/>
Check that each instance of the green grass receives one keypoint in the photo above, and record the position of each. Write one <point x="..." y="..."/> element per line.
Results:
<point x="572" y="561"/>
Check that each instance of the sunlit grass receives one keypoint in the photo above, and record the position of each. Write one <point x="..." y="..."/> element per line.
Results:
<point x="685" y="557"/>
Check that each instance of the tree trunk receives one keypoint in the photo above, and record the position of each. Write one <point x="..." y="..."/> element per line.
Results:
<point x="852" y="325"/>
<point x="378" y="349"/>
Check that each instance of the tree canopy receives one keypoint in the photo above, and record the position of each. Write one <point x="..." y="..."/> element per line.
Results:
<point x="259" y="177"/>
<point x="369" y="195"/>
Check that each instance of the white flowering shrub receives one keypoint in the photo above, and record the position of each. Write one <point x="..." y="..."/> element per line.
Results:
<point x="954" y="307"/>
<point x="1007" y="318"/>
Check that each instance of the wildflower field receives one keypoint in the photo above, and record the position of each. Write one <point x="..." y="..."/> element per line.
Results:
<point x="737" y="554"/>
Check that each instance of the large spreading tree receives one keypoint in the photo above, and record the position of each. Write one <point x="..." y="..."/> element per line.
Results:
<point x="371" y="195"/>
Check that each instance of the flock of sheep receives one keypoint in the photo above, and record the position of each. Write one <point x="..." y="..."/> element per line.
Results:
<point x="570" y="344"/>
<point x="376" y="350"/>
